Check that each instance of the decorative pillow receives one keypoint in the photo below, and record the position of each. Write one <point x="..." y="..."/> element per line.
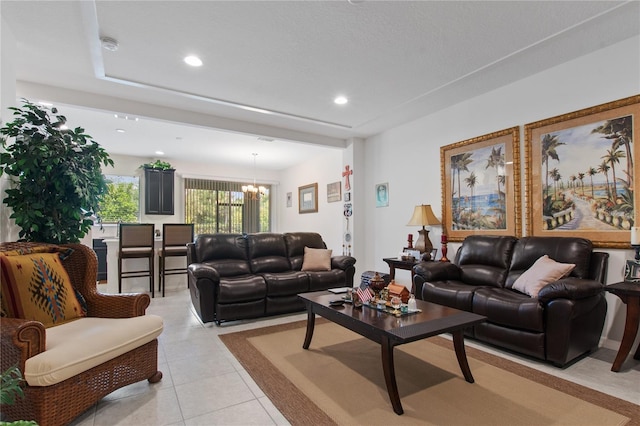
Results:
<point x="541" y="273"/>
<point x="316" y="259"/>
<point x="36" y="287"/>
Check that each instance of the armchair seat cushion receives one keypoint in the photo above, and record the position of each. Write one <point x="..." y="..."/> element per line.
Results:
<point x="509" y="308"/>
<point x="77" y="346"/>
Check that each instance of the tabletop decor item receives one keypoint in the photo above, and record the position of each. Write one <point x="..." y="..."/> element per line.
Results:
<point x="423" y="216"/>
<point x="376" y="284"/>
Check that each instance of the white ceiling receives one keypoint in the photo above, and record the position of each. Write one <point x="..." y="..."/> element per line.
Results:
<point x="395" y="61"/>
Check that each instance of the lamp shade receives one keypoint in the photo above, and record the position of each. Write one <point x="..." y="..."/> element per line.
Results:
<point x="423" y="216"/>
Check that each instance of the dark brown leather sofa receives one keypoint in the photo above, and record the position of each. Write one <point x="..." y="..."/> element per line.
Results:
<point x="562" y="323"/>
<point x="238" y="276"/>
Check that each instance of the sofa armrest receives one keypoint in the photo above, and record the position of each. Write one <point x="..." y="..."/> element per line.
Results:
<point x="570" y="288"/>
<point x="201" y="270"/>
<point x="342" y="262"/>
<point x="21" y="340"/>
<point x="437" y="271"/>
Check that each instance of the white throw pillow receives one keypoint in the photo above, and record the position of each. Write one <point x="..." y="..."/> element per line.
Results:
<point x="541" y="273"/>
<point x="316" y="259"/>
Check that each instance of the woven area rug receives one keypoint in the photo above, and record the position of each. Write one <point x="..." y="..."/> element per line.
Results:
<point x="339" y="380"/>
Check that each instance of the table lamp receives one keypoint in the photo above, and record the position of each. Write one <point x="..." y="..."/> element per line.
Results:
<point x="423" y="216"/>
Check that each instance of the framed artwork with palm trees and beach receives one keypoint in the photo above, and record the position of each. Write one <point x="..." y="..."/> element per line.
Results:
<point x="481" y="185"/>
<point x="580" y="174"/>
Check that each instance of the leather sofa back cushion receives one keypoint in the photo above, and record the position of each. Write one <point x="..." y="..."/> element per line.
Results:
<point x="296" y="242"/>
<point x="37" y="287"/>
<point x="267" y="253"/>
<point x="561" y="249"/>
<point x="225" y="252"/>
<point x="484" y="260"/>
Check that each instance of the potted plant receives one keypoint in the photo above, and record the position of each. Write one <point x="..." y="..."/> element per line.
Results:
<point x="55" y="172"/>
<point x="157" y="165"/>
<point x="10" y="390"/>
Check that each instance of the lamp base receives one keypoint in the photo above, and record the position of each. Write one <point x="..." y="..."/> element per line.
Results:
<point x="423" y="244"/>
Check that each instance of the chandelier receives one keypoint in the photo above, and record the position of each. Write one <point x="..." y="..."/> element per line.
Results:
<point x="252" y="191"/>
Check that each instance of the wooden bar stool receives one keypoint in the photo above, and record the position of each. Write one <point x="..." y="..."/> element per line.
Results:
<point x="175" y="237"/>
<point x="136" y="242"/>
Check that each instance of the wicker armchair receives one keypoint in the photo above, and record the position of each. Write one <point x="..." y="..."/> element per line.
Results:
<point x="60" y="403"/>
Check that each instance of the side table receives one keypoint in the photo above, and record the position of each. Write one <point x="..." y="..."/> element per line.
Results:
<point x="394" y="263"/>
<point x="629" y="293"/>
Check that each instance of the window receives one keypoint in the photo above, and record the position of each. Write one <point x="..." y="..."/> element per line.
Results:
<point x="221" y="207"/>
<point x="121" y="203"/>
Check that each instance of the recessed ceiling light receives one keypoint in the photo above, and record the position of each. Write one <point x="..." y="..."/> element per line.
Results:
<point x="194" y="61"/>
<point x="159" y="153"/>
<point x="109" y="43"/>
<point x="341" y="100"/>
<point x="46" y="104"/>
<point x="64" y="127"/>
<point x="120" y="130"/>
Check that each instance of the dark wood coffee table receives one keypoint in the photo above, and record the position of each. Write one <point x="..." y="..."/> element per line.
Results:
<point x="389" y="330"/>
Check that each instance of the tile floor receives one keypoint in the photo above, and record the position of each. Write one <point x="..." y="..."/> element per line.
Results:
<point x="203" y="384"/>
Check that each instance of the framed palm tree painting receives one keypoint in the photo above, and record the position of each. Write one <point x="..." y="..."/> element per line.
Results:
<point x="481" y="185"/>
<point x="580" y="175"/>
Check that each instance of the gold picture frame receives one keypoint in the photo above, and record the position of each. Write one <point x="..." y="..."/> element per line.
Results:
<point x="481" y="185"/>
<point x="308" y="198"/>
<point x="579" y="173"/>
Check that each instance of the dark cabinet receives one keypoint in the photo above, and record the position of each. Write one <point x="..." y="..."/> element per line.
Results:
<point x="100" y="247"/>
<point x="158" y="191"/>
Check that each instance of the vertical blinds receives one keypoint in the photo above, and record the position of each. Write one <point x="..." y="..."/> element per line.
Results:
<point x="221" y="207"/>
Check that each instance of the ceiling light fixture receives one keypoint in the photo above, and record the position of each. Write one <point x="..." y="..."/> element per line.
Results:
<point x="341" y="100"/>
<point x="120" y="130"/>
<point x="109" y="44"/>
<point x="192" y="60"/>
<point x="159" y="153"/>
<point x="252" y="191"/>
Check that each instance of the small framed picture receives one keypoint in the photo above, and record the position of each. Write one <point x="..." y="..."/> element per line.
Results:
<point x="632" y="271"/>
<point x="347" y="197"/>
<point x="382" y="195"/>
<point x="334" y="192"/>
<point x="289" y="199"/>
<point x="411" y="252"/>
<point x="308" y="198"/>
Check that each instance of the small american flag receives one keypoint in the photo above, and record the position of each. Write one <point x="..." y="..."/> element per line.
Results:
<point x="364" y="294"/>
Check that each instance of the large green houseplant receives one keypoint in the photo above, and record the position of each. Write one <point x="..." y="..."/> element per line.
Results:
<point x="55" y="174"/>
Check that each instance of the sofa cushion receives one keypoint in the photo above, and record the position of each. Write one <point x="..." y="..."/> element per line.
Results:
<point x="451" y="293"/>
<point x="561" y="249"/>
<point x="36" y="286"/>
<point x="316" y="259"/>
<point x="227" y="253"/>
<point x="296" y="242"/>
<point x="241" y="289"/>
<point x="509" y="308"/>
<point x="544" y="271"/>
<point x="267" y="253"/>
<point x="322" y="280"/>
<point x="286" y="283"/>
<point x="484" y="259"/>
<point x="79" y="345"/>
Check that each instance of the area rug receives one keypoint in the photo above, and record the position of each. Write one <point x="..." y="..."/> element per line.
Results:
<point x="339" y="380"/>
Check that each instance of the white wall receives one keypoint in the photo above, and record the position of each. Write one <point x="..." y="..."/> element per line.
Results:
<point x="408" y="156"/>
<point x="328" y="221"/>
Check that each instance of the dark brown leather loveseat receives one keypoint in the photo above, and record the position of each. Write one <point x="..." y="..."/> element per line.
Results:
<point x="562" y="323"/>
<point x="238" y="276"/>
